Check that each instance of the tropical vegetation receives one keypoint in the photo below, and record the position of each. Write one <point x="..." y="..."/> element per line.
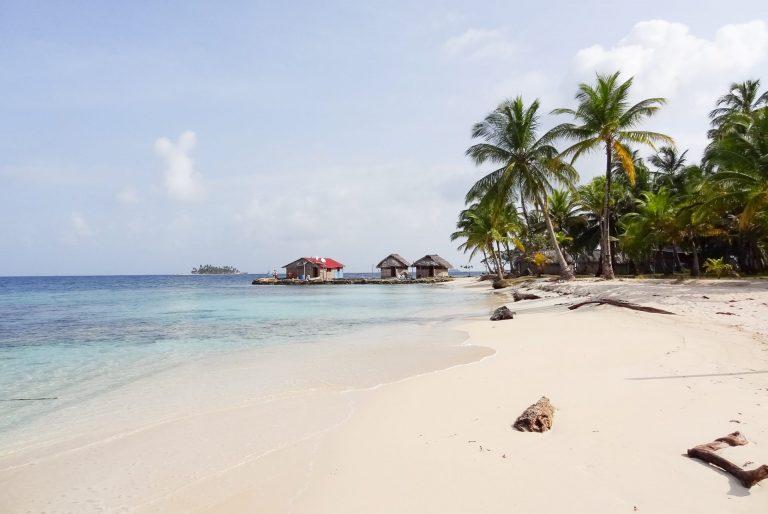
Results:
<point x="653" y="209"/>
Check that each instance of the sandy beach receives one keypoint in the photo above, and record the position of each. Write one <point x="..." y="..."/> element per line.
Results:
<point x="633" y="391"/>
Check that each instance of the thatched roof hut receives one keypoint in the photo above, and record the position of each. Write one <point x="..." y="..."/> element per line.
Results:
<point x="393" y="266"/>
<point x="432" y="266"/>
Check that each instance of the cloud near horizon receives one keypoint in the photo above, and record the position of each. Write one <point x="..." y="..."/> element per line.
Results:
<point x="182" y="181"/>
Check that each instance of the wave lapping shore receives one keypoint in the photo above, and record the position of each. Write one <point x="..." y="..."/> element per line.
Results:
<point x="632" y="392"/>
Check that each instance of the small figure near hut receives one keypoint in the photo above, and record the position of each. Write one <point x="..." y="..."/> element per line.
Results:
<point x="431" y="266"/>
<point x="393" y="266"/>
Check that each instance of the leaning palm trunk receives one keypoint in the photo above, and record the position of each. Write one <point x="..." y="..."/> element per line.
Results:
<point x="497" y="262"/>
<point x="605" y="239"/>
<point x="565" y="271"/>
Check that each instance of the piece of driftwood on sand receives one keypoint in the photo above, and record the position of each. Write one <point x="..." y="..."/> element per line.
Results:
<point x="518" y="296"/>
<point x="620" y="303"/>
<point x="537" y="417"/>
<point x="706" y="453"/>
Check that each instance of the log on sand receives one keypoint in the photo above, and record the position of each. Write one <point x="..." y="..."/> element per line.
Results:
<point x="706" y="453"/>
<point x="537" y="417"/>
<point x="621" y="303"/>
<point x="517" y="296"/>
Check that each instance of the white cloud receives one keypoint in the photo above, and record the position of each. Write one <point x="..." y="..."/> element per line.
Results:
<point x="665" y="57"/>
<point x="691" y="72"/>
<point x="78" y="229"/>
<point x="128" y="196"/>
<point x="481" y="44"/>
<point x="182" y="182"/>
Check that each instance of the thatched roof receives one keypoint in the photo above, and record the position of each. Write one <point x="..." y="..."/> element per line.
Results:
<point x="433" y="260"/>
<point x="393" y="259"/>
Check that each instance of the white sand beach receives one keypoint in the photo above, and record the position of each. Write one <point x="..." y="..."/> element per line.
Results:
<point x="633" y="391"/>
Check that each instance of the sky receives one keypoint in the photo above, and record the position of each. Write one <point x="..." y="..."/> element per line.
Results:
<point x="151" y="137"/>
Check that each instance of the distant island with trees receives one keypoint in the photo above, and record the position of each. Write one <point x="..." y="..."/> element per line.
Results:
<point x="209" y="269"/>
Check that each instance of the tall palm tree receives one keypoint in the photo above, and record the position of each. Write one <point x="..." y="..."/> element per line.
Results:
<point x="529" y="164"/>
<point x="605" y="119"/>
<point x="742" y="98"/>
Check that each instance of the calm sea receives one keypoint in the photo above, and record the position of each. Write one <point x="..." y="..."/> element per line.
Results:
<point x="64" y="339"/>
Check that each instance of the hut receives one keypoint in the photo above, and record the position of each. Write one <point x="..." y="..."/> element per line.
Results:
<point x="431" y="266"/>
<point x="393" y="266"/>
<point x="319" y="268"/>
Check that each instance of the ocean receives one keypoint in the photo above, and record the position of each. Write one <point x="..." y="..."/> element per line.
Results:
<point x="68" y="340"/>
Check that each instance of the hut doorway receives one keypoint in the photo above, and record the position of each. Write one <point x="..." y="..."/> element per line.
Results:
<point x="431" y="271"/>
<point x="315" y="272"/>
<point x="393" y="272"/>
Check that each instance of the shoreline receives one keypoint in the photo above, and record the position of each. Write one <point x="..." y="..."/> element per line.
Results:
<point x="167" y="425"/>
<point x="632" y="396"/>
<point x="628" y="406"/>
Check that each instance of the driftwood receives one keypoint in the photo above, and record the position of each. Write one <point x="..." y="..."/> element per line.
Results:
<point x="621" y="303"/>
<point x="502" y="313"/>
<point x="706" y="453"/>
<point x="517" y="296"/>
<point x="537" y="417"/>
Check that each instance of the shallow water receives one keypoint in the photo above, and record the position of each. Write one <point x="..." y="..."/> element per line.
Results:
<point x="71" y="339"/>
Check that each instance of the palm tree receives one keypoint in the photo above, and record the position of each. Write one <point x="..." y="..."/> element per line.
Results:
<point x="529" y="165"/>
<point x="605" y="119"/>
<point x="742" y="98"/>
<point x="564" y="209"/>
<point x="484" y="227"/>
<point x="653" y="224"/>
<point x="669" y="166"/>
<point x="740" y="156"/>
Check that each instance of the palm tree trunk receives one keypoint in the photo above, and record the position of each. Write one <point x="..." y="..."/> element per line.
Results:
<point x="695" y="265"/>
<point x="497" y="262"/>
<point x="485" y="260"/>
<point x="606" y="236"/>
<point x="678" y="263"/>
<point x="501" y="259"/>
<point x="508" y="252"/>
<point x="565" y="271"/>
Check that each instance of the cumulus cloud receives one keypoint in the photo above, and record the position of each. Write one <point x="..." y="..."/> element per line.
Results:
<point x="78" y="229"/>
<point x="481" y="44"/>
<point x="182" y="181"/>
<point x="664" y="56"/>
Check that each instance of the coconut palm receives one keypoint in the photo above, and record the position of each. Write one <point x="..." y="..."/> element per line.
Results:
<point x="605" y="119"/>
<point x="654" y="224"/>
<point x="669" y="166"/>
<point x="742" y="98"/>
<point x="484" y="227"/>
<point x="529" y="164"/>
<point x="740" y="156"/>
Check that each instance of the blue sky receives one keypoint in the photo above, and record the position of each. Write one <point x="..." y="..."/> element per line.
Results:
<point x="143" y="138"/>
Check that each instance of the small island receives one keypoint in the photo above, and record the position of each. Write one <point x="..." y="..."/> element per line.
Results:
<point x="209" y="269"/>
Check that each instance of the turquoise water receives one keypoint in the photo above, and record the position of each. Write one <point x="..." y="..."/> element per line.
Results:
<point x="63" y="339"/>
